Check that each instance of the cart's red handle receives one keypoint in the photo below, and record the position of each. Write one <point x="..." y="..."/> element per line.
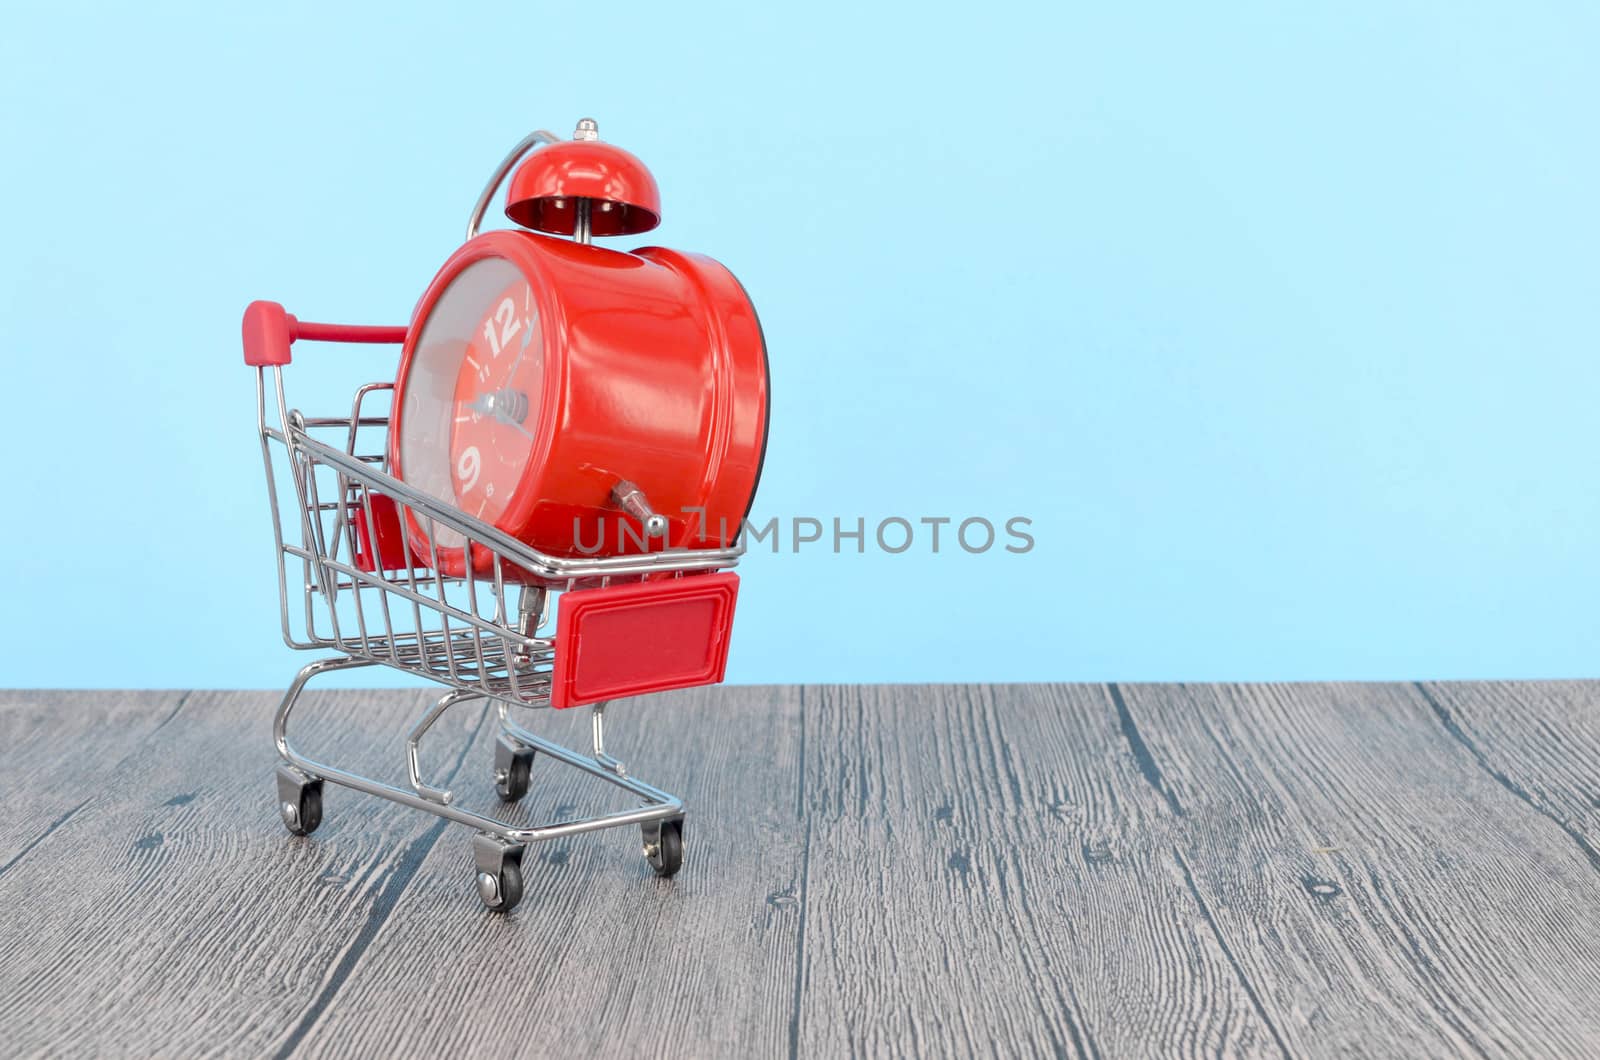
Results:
<point x="269" y="331"/>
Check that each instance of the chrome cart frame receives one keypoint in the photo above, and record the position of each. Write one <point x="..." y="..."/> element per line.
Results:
<point x="484" y="638"/>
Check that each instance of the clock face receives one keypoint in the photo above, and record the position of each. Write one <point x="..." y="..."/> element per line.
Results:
<point x="470" y="411"/>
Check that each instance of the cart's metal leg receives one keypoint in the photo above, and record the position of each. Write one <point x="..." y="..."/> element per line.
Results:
<point x="280" y="721"/>
<point x="300" y="789"/>
<point x="427" y="791"/>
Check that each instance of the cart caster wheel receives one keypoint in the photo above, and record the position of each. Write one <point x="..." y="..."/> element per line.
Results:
<point x="663" y="845"/>
<point x="513" y="764"/>
<point x="299" y="801"/>
<point x="499" y="872"/>
<point x="501" y="893"/>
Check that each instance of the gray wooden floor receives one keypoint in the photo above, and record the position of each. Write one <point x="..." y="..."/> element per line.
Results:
<point x="1400" y="870"/>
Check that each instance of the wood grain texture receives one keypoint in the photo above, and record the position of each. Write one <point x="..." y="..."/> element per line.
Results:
<point x="1538" y="740"/>
<point x="1374" y="883"/>
<point x="988" y="872"/>
<point x="602" y="958"/>
<point x="53" y="745"/>
<point x="174" y="915"/>
<point x="1359" y="870"/>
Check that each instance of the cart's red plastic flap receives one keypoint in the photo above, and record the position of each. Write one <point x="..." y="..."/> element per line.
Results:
<point x="630" y="640"/>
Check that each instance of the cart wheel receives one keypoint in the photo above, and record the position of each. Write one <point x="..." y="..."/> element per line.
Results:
<point x="663" y="845"/>
<point x="503" y="890"/>
<point x="299" y="801"/>
<point x="513" y="765"/>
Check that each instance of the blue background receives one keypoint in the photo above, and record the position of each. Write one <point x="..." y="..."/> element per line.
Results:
<point x="1278" y="320"/>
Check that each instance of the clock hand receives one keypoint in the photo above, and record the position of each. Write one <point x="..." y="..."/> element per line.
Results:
<point x="527" y="336"/>
<point x="509" y="422"/>
<point x="484" y="404"/>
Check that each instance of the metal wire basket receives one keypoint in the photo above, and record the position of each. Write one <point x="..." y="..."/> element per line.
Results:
<point x="341" y="590"/>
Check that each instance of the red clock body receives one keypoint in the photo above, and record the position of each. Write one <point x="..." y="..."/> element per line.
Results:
<point x="539" y="373"/>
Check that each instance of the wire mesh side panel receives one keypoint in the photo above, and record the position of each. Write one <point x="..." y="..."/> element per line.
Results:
<point x="352" y="580"/>
<point x="391" y="605"/>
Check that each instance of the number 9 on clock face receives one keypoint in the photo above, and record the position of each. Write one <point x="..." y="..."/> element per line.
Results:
<point x="473" y="399"/>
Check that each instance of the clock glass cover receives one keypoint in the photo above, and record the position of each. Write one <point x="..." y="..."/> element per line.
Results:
<point x="470" y="409"/>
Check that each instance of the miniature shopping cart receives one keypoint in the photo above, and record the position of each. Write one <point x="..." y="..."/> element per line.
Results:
<point x="498" y="627"/>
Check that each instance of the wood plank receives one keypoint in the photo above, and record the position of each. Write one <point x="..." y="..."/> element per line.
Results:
<point x="602" y="958"/>
<point x="989" y="872"/>
<point x="1051" y="870"/>
<point x="1540" y="740"/>
<point x="54" y="746"/>
<point x="1382" y="892"/>
<point x="174" y="915"/>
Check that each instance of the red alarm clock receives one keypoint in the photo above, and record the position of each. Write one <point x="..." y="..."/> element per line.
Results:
<point x="584" y="400"/>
